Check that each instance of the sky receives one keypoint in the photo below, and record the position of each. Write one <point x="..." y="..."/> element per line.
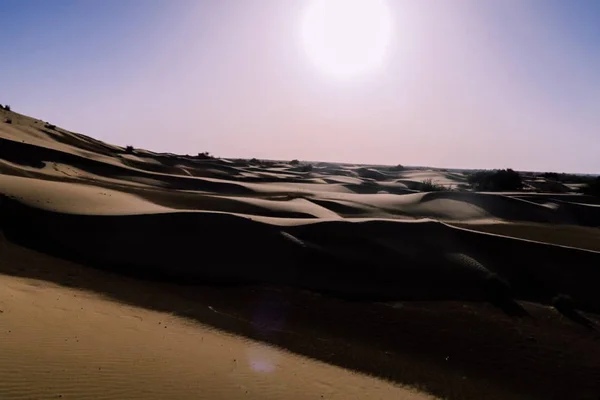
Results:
<point x="464" y="84"/>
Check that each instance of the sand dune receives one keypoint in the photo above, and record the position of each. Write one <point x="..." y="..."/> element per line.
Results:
<point x="356" y="232"/>
<point x="374" y="257"/>
<point x="287" y="225"/>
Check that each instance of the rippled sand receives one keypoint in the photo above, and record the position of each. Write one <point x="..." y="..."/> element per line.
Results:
<point x="58" y="342"/>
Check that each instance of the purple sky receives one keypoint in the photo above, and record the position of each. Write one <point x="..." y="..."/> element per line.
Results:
<point x="466" y="84"/>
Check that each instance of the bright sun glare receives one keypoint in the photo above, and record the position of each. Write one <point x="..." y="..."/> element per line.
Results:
<point x="345" y="38"/>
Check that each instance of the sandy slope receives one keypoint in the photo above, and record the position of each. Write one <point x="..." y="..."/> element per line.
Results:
<point x="59" y="342"/>
<point x="356" y="232"/>
<point x="455" y="350"/>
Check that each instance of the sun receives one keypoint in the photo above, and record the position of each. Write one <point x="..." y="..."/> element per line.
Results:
<point x="345" y="38"/>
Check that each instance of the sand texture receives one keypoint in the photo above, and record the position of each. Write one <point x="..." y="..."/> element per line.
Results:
<point x="84" y="224"/>
<point x="65" y="343"/>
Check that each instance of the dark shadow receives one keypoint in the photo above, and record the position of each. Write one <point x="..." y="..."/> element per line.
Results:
<point x="432" y="345"/>
<point x="566" y="306"/>
<point x="499" y="294"/>
<point x="510" y="307"/>
<point x="578" y="318"/>
<point x="16" y="157"/>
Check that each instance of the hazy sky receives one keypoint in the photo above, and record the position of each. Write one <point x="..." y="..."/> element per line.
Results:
<point x="466" y="83"/>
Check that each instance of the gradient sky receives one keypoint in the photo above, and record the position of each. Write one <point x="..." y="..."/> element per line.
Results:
<point x="467" y="83"/>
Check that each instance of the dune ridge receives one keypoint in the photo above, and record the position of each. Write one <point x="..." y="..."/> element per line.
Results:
<point x="166" y="215"/>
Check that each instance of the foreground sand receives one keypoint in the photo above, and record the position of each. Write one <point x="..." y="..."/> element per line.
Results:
<point x="53" y="333"/>
<point x="60" y="342"/>
<point x="459" y="293"/>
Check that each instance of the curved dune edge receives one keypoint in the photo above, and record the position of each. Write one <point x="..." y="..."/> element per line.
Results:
<point x="566" y="235"/>
<point x="372" y="259"/>
<point x="183" y="182"/>
<point x="76" y="345"/>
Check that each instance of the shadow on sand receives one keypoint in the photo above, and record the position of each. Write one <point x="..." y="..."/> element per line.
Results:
<point x="451" y="349"/>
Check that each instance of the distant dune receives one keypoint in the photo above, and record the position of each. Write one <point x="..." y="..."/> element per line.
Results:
<point x="354" y="232"/>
